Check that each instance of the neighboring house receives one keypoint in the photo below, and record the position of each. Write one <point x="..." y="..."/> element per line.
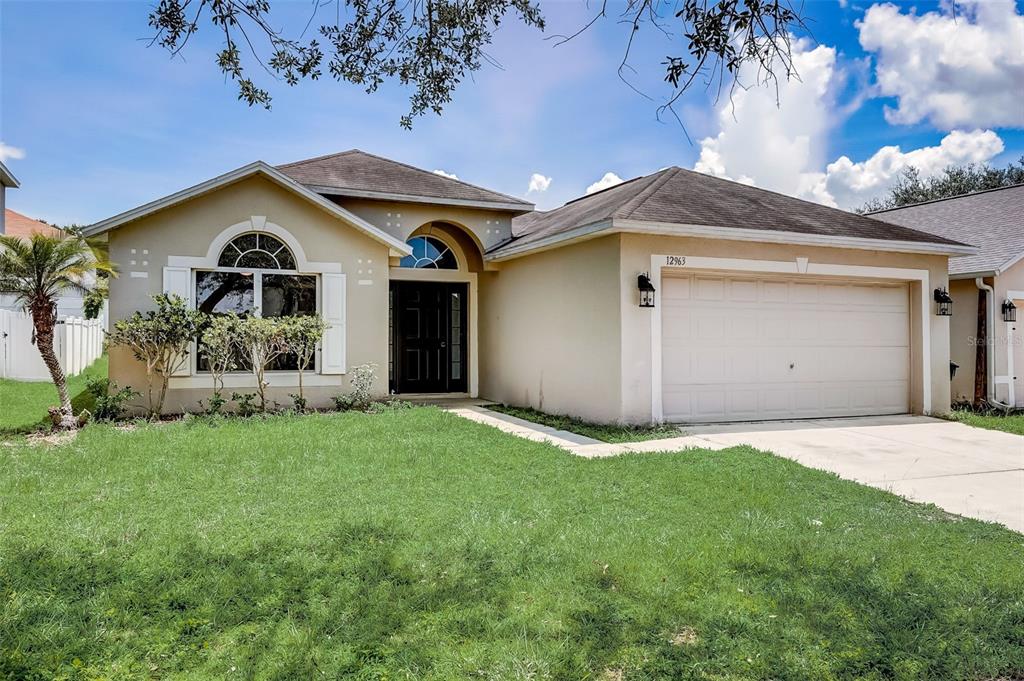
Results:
<point x="983" y="287"/>
<point x="68" y="305"/>
<point x="765" y="306"/>
<point x="7" y="179"/>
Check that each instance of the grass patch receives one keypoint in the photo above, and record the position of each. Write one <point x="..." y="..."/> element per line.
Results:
<point x="25" y="403"/>
<point x="414" y="544"/>
<point x="597" y="431"/>
<point x="1009" y="423"/>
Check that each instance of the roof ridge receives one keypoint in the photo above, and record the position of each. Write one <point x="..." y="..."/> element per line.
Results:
<point x="445" y="177"/>
<point x="947" y="198"/>
<point x="634" y="203"/>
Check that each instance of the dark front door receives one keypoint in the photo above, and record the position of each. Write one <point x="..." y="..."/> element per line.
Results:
<point x="428" y="337"/>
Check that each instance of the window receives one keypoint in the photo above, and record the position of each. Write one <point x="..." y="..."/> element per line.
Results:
<point x="429" y="253"/>
<point x="253" y="279"/>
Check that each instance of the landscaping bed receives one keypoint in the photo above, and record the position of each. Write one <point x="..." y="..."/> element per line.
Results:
<point x="597" y="431"/>
<point x="415" y="544"/>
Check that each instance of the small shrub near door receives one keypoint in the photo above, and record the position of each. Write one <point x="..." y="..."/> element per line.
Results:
<point x="361" y="395"/>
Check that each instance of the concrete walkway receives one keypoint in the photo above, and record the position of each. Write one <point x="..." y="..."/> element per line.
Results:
<point x="968" y="471"/>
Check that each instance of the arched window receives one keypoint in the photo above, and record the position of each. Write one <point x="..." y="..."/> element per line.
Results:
<point x="429" y="253"/>
<point x="258" y="251"/>
<point x="256" y="277"/>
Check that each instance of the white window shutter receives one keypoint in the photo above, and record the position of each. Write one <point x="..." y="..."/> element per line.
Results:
<point x="332" y="353"/>
<point x="178" y="280"/>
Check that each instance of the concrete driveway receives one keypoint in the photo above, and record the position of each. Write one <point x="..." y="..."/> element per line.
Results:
<point x="964" y="470"/>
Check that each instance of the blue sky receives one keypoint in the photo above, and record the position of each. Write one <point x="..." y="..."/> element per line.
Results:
<point x="94" y="122"/>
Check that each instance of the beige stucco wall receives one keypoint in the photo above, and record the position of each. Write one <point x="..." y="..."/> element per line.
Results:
<point x="143" y="247"/>
<point x="636" y="326"/>
<point x="489" y="228"/>
<point x="549" y="331"/>
<point x="963" y="329"/>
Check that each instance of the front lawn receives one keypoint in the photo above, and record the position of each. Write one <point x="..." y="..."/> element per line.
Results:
<point x="414" y="544"/>
<point x="1012" y="423"/>
<point x="23" y="404"/>
<point x="597" y="431"/>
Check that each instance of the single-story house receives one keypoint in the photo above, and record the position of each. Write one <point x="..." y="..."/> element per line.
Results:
<point x="671" y="297"/>
<point x="986" y="288"/>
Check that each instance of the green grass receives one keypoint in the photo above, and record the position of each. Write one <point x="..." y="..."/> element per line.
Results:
<point x="417" y="545"/>
<point x="24" y="403"/>
<point x="1012" y="423"/>
<point x="597" y="431"/>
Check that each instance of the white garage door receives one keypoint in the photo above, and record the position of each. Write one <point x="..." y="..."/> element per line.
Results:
<point x="758" y="348"/>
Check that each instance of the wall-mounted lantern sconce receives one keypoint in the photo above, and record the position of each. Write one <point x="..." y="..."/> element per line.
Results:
<point x="1009" y="311"/>
<point x="643" y="283"/>
<point x="943" y="303"/>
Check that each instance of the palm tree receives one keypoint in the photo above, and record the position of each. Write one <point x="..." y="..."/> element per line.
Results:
<point x="38" y="270"/>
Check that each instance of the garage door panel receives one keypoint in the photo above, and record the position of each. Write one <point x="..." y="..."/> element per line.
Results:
<point x="742" y="348"/>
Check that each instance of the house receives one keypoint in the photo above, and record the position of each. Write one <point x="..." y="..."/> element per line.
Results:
<point x="764" y="306"/>
<point x="70" y="303"/>
<point x="986" y="288"/>
<point x="16" y="224"/>
<point x="7" y="179"/>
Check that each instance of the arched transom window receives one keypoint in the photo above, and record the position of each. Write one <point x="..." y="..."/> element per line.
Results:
<point x="429" y="253"/>
<point x="256" y="276"/>
<point x="258" y="251"/>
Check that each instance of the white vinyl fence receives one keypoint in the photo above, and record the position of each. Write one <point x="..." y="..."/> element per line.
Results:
<point x="78" y="343"/>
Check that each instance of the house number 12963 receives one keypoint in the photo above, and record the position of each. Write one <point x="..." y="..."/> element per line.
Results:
<point x="675" y="260"/>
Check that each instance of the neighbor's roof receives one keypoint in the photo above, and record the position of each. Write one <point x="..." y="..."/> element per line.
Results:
<point x="7" y="178"/>
<point x="359" y="174"/>
<point x="992" y="220"/>
<point x="16" y="224"/>
<point x="256" y="168"/>
<point x="682" y="202"/>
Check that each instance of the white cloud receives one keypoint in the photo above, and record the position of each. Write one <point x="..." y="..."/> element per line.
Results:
<point x="538" y="183"/>
<point x="7" y="152"/>
<point x="445" y="174"/>
<point x="956" y="71"/>
<point x="610" y="179"/>
<point x="772" y="142"/>
<point x="847" y="184"/>
<point x="783" y="146"/>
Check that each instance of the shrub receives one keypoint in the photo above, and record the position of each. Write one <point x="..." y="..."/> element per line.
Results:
<point x="302" y="336"/>
<point x="361" y="395"/>
<point x="109" y="399"/>
<point x="263" y="340"/>
<point x="159" y="339"/>
<point x="220" y="341"/>
<point x="246" y="403"/>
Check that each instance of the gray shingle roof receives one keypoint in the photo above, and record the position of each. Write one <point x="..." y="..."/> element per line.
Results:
<point x="991" y="220"/>
<point x="686" y="197"/>
<point x="357" y="173"/>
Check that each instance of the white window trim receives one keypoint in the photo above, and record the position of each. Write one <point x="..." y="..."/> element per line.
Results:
<point x="257" y="295"/>
<point x="208" y="262"/>
<point x="798" y="267"/>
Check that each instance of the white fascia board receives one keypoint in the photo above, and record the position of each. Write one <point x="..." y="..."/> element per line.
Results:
<point x="397" y="247"/>
<point x="973" y="275"/>
<point x="7" y="178"/>
<point x="583" y="233"/>
<point x="729" y="234"/>
<point x="794" y="238"/>
<point x="415" y="198"/>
